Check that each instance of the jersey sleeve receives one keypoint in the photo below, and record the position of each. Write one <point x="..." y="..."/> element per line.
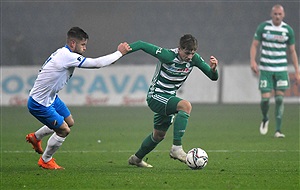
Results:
<point x="204" y="67"/>
<point x="291" y="34"/>
<point x="164" y="55"/>
<point x="259" y="31"/>
<point x="101" y="61"/>
<point x="71" y="59"/>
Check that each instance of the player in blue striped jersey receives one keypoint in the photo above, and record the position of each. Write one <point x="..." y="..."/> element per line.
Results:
<point x="173" y="69"/>
<point x="274" y="37"/>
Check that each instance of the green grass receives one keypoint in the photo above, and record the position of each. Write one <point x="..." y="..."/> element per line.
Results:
<point x="239" y="157"/>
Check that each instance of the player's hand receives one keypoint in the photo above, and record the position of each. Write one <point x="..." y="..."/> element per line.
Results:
<point x="124" y="48"/>
<point x="213" y="63"/>
<point x="254" y="68"/>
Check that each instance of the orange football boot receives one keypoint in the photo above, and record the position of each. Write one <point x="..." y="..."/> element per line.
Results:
<point x="51" y="165"/>
<point x="36" y="144"/>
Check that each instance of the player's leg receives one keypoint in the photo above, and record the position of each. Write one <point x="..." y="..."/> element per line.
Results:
<point x="265" y="86"/>
<point x="162" y="121"/>
<point x="35" y="138"/>
<point x="169" y="105"/>
<point x="161" y="125"/>
<point x="54" y="143"/>
<point x="64" y="111"/>
<point x="69" y="120"/>
<point x="150" y="142"/>
<point x="281" y="84"/>
<point x="279" y="109"/>
<point x="57" y="119"/>
<point x="264" y="107"/>
<point x="42" y="132"/>
<point x="51" y="118"/>
<point x="183" y="109"/>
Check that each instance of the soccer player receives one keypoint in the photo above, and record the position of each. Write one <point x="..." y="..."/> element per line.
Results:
<point x="44" y="102"/>
<point x="274" y="37"/>
<point x="173" y="69"/>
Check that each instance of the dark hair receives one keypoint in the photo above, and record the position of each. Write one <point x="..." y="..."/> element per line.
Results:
<point x="77" y="33"/>
<point x="188" y="42"/>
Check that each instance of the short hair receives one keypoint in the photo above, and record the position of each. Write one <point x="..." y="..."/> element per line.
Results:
<point x="77" y="33"/>
<point x="277" y="6"/>
<point x="188" y="42"/>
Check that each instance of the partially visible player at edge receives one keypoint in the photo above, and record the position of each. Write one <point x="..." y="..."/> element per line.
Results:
<point x="274" y="36"/>
<point x="173" y="68"/>
<point x="44" y="103"/>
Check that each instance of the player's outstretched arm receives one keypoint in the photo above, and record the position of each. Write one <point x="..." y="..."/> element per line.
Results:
<point x="145" y="46"/>
<point x="106" y="60"/>
<point x="162" y="54"/>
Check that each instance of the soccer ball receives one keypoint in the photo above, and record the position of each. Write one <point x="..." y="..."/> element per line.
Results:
<point x="196" y="158"/>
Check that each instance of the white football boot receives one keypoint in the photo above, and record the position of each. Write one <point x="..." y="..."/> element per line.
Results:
<point x="177" y="153"/>
<point x="263" y="129"/>
<point x="278" y="134"/>
<point x="133" y="160"/>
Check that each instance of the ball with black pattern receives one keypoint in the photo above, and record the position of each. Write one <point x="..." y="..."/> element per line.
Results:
<point x="196" y="158"/>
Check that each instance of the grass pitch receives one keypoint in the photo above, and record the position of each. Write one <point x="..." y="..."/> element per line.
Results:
<point x="96" y="151"/>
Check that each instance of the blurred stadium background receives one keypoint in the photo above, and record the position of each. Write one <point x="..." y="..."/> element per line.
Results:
<point x="31" y="30"/>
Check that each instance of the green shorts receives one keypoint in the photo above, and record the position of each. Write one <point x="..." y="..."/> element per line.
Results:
<point x="164" y="106"/>
<point x="273" y="80"/>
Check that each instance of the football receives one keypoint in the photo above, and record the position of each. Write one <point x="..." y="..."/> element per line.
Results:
<point x="196" y="158"/>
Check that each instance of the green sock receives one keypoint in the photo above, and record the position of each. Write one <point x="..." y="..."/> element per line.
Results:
<point x="147" y="146"/>
<point x="264" y="106"/>
<point x="279" y="108"/>
<point x="180" y="124"/>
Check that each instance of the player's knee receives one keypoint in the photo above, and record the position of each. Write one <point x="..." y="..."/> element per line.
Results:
<point x="266" y="95"/>
<point x="159" y="135"/>
<point x="70" y="121"/>
<point x="279" y="99"/>
<point x="66" y="132"/>
<point x="279" y="92"/>
<point x="63" y="131"/>
<point x="185" y="106"/>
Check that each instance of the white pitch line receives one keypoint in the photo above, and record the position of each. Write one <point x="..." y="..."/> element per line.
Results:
<point x="132" y="151"/>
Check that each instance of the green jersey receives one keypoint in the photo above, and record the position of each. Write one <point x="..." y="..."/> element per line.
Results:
<point x="171" y="71"/>
<point x="274" y="41"/>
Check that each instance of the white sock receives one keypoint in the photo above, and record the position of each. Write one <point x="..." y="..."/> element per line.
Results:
<point x="53" y="145"/>
<point x="42" y="132"/>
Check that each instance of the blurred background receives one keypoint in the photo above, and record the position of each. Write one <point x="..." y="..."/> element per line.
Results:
<point x="32" y="30"/>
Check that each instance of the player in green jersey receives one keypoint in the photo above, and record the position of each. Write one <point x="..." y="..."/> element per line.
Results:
<point x="274" y="37"/>
<point x="173" y="68"/>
